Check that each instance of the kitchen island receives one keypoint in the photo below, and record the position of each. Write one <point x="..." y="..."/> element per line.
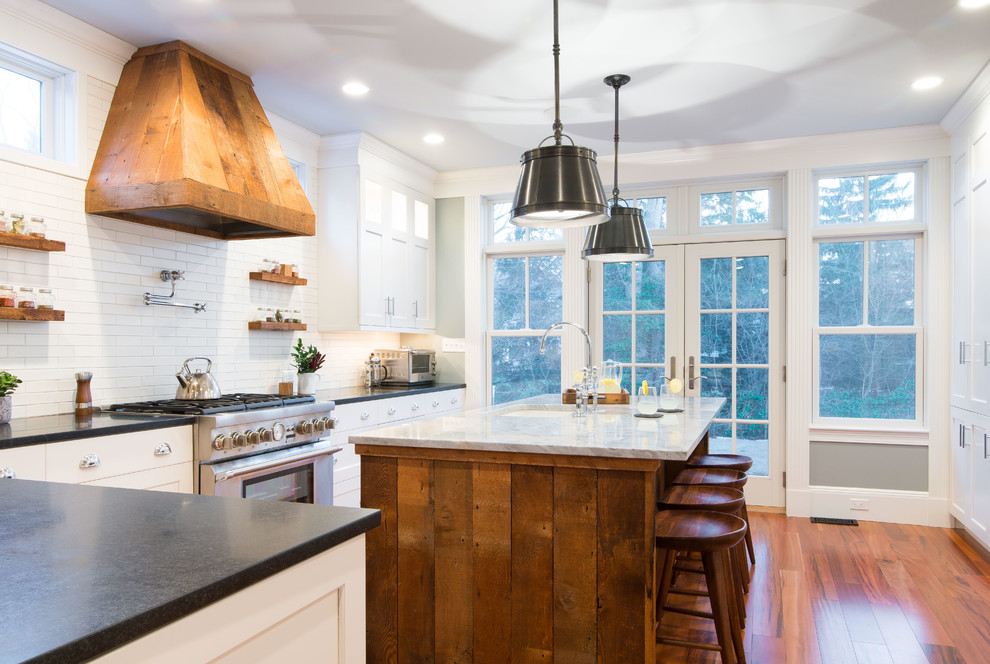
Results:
<point x="518" y="533"/>
<point x="118" y="575"/>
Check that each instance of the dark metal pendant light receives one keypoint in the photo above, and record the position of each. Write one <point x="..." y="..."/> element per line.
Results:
<point x="559" y="186"/>
<point x="624" y="237"/>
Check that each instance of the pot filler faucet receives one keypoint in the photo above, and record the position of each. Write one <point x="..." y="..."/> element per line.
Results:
<point x="587" y="389"/>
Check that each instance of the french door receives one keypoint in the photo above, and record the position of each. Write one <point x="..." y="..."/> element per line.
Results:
<point x="711" y="315"/>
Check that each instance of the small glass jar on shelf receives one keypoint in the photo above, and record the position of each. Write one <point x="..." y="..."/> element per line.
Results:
<point x="294" y="316"/>
<point x="273" y="265"/>
<point x="269" y="315"/>
<point x="8" y="297"/>
<point x="266" y="265"/>
<point x="45" y="299"/>
<point x="18" y="225"/>
<point x="36" y="227"/>
<point x="4" y="224"/>
<point x="26" y="298"/>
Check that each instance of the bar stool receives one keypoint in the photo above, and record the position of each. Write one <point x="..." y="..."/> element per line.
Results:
<point x="728" y="462"/>
<point x="712" y="535"/>
<point x="715" y="499"/>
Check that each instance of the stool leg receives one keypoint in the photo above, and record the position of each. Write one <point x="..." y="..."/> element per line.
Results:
<point x="666" y="579"/>
<point x="719" y="596"/>
<point x="749" y="535"/>
<point x="737" y="610"/>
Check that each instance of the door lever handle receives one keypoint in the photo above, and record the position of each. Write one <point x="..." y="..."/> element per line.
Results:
<point x="691" y="377"/>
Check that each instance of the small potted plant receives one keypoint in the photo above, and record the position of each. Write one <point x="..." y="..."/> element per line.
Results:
<point x="8" y="383"/>
<point x="307" y="361"/>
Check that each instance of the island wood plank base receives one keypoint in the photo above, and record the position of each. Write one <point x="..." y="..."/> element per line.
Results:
<point x="502" y="557"/>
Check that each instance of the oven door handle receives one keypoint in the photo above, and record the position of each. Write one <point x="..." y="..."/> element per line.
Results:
<point x="225" y="475"/>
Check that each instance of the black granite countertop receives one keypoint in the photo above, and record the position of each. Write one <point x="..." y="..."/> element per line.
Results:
<point x="53" y="428"/>
<point x="87" y="569"/>
<point x="357" y="394"/>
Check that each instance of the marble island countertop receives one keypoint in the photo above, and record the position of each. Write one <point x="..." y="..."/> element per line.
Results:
<point x="542" y="425"/>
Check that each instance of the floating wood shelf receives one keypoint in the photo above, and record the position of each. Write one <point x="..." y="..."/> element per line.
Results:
<point x="265" y="325"/>
<point x="16" y="313"/>
<point x="28" y="242"/>
<point x="278" y="278"/>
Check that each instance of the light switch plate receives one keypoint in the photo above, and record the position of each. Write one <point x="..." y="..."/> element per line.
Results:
<point x="453" y="345"/>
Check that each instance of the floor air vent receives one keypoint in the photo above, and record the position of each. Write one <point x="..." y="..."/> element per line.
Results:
<point x="834" y="522"/>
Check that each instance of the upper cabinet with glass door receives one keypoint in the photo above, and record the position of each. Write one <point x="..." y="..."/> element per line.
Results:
<point x="377" y="241"/>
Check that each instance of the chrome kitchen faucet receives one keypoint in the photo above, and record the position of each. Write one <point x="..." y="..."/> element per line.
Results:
<point x="587" y="389"/>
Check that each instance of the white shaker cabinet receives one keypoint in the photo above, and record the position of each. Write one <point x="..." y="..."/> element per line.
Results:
<point x="26" y="463"/>
<point x="969" y="438"/>
<point x="376" y="239"/>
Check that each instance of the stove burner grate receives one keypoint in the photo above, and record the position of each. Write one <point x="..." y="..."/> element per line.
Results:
<point x="228" y="403"/>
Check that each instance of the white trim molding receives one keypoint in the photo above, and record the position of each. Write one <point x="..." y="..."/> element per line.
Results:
<point x="887" y="506"/>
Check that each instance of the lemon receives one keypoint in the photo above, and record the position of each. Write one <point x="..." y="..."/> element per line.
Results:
<point x="676" y="385"/>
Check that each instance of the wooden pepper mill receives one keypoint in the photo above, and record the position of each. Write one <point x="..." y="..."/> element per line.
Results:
<point x="84" y="396"/>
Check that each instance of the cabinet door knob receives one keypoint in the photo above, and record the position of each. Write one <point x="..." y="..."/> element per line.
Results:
<point x="415" y="406"/>
<point x="390" y="411"/>
<point x="365" y="414"/>
<point x="163" y="449"/>
<point x="89" y="461"/>
<point x="436" y="404"/>
<point x="453" y="401"/>
<point x="7" y="473"/>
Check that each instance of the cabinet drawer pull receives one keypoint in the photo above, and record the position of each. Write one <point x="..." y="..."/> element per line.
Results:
<point x="365" y="414"/>
<point x="453" y="401"/>
<point x="390" y="411"/>
<point x="415" y="407"/>
<point x="436" y="404"/>
<point x="7" y="473"/>
<point x="89" y="461"/>
<point x="163" y="449"/>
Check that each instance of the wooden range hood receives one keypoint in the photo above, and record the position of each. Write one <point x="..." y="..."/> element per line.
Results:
<point x="188" y="147"/>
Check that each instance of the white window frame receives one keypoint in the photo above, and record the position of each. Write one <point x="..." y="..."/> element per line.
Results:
<point x="917" y="329"/>
<point x="489" y="203"/>
<point x="866" y="227"/>
<point x="300" y="169"/>
<point x="775" y="211"/>
<point x="675" y="220"/>
<point x="59" y="86"/>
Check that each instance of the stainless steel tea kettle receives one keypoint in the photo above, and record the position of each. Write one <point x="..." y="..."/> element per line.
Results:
<point x="376" y="371"/>
<point x="197" y="385"/>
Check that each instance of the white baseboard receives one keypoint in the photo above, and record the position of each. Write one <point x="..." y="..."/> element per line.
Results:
<point x="908" y="507"/>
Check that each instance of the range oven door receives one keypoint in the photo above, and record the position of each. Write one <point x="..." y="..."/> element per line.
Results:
<point x="302" y="474"/>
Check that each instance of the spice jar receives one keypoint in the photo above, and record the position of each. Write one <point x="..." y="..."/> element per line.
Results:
<point x="4" y="227"/>
<point x="266" y="265"/>
<point x="45" y="298"/>
<point x="37" y="228"/>
<point x="279" y="316"/>
<point x="273" y="265"/>
<point x="296" y="317"/>
<point x="269" y="315"/>
<point x="261" y="314"/>
<point x="25" y="298"/>
<point x="7" y="297"/>
<point x="17" y="223"/>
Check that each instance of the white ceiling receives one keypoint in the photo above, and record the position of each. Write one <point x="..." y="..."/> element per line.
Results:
<point x="481" y="73"/>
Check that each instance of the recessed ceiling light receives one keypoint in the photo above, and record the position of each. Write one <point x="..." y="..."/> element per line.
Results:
<point x="927" y="83"/>
<point x="433" y="139"/>
<point x="973" y="4"/>
<point x="355" y="89"/>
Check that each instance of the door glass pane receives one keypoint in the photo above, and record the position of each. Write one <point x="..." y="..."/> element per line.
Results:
<point x="720" y="438"/>
<point x="753" y="206"/>
<point x="891" y="282"/>
<point x="718" y="383"/>
<point x="892" y="197"/>
<point x="520" y="371"/>
<point x="716" y="283"/>
<point x="753" y="282"/>
<point x="400" y="215"/>
<point x="752" y="337"/>
<point x="716" y="209"/>
<point x="652" y="376"/>
<point x="650" y="281"/>
<point x="654" y="212"/>
<point x="650" y="338"/>
<point x="752" y="392"/>
<point x="841" y="200"/>
<point x="617" y="287"/>
<point x="840" y="283"/>
<point x="509" y="294"/>
<point x="867" y="376"/>
<point x="546" y="291"/>
<point x="716" y="338"/>
<point x="617" y="333"/>
<point x="753" y="440"/>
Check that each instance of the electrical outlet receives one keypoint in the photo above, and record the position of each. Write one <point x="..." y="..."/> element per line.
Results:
<point x="859" y="504"/>
<point x="453" y="345"/>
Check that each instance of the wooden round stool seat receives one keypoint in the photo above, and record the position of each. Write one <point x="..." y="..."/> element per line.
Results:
<point x="734" y="479"/>
<point x="728" y="461"/>
<point x="703" y="497"/>
<point x="698" y="530"/>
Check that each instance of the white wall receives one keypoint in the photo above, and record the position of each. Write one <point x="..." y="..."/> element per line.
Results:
<point x="133" y="350"/>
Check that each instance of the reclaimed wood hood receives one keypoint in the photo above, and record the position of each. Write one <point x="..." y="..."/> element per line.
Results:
<point x="188" y="147"/>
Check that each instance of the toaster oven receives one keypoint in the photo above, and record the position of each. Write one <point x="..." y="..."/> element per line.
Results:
<point x="408" y="366"/>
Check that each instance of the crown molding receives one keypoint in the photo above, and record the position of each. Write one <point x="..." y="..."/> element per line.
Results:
<point x="354" y="148"/>
<point x="971" y="98"/>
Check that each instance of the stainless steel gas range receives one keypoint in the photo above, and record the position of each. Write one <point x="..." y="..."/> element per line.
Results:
<point x="261" y="446"/>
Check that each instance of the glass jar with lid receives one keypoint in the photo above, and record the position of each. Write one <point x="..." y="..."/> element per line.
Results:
<point x="269" y="315"/>
<point x="17" y="223"/>
<point x="25" y="298"/>
<point x="4" y="226"/>
<point x="36" y="227"/>
<point x="266" y="265"/>
<point x="296" y="316"/>
<point x="273" y="265"/>
<point x="45" y="299"/>
<point x="7" y="296"/>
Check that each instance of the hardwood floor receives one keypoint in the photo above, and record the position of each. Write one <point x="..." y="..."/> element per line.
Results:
<point x="869" y="594"/>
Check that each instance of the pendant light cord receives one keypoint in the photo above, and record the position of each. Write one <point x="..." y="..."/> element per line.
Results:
<point x="558" y="127"/>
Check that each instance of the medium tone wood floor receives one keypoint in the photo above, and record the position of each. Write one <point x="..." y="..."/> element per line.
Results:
<point x="873" y="593"/>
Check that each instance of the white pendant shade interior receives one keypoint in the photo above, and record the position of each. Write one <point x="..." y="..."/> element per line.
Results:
<point x="624" y="237"/>
<point x="559" y="186"/>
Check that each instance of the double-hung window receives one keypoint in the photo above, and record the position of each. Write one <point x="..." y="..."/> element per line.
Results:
<point x="869" y="337"/>
<point x="525" y="296"/>
<point x="37" y="102"/>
